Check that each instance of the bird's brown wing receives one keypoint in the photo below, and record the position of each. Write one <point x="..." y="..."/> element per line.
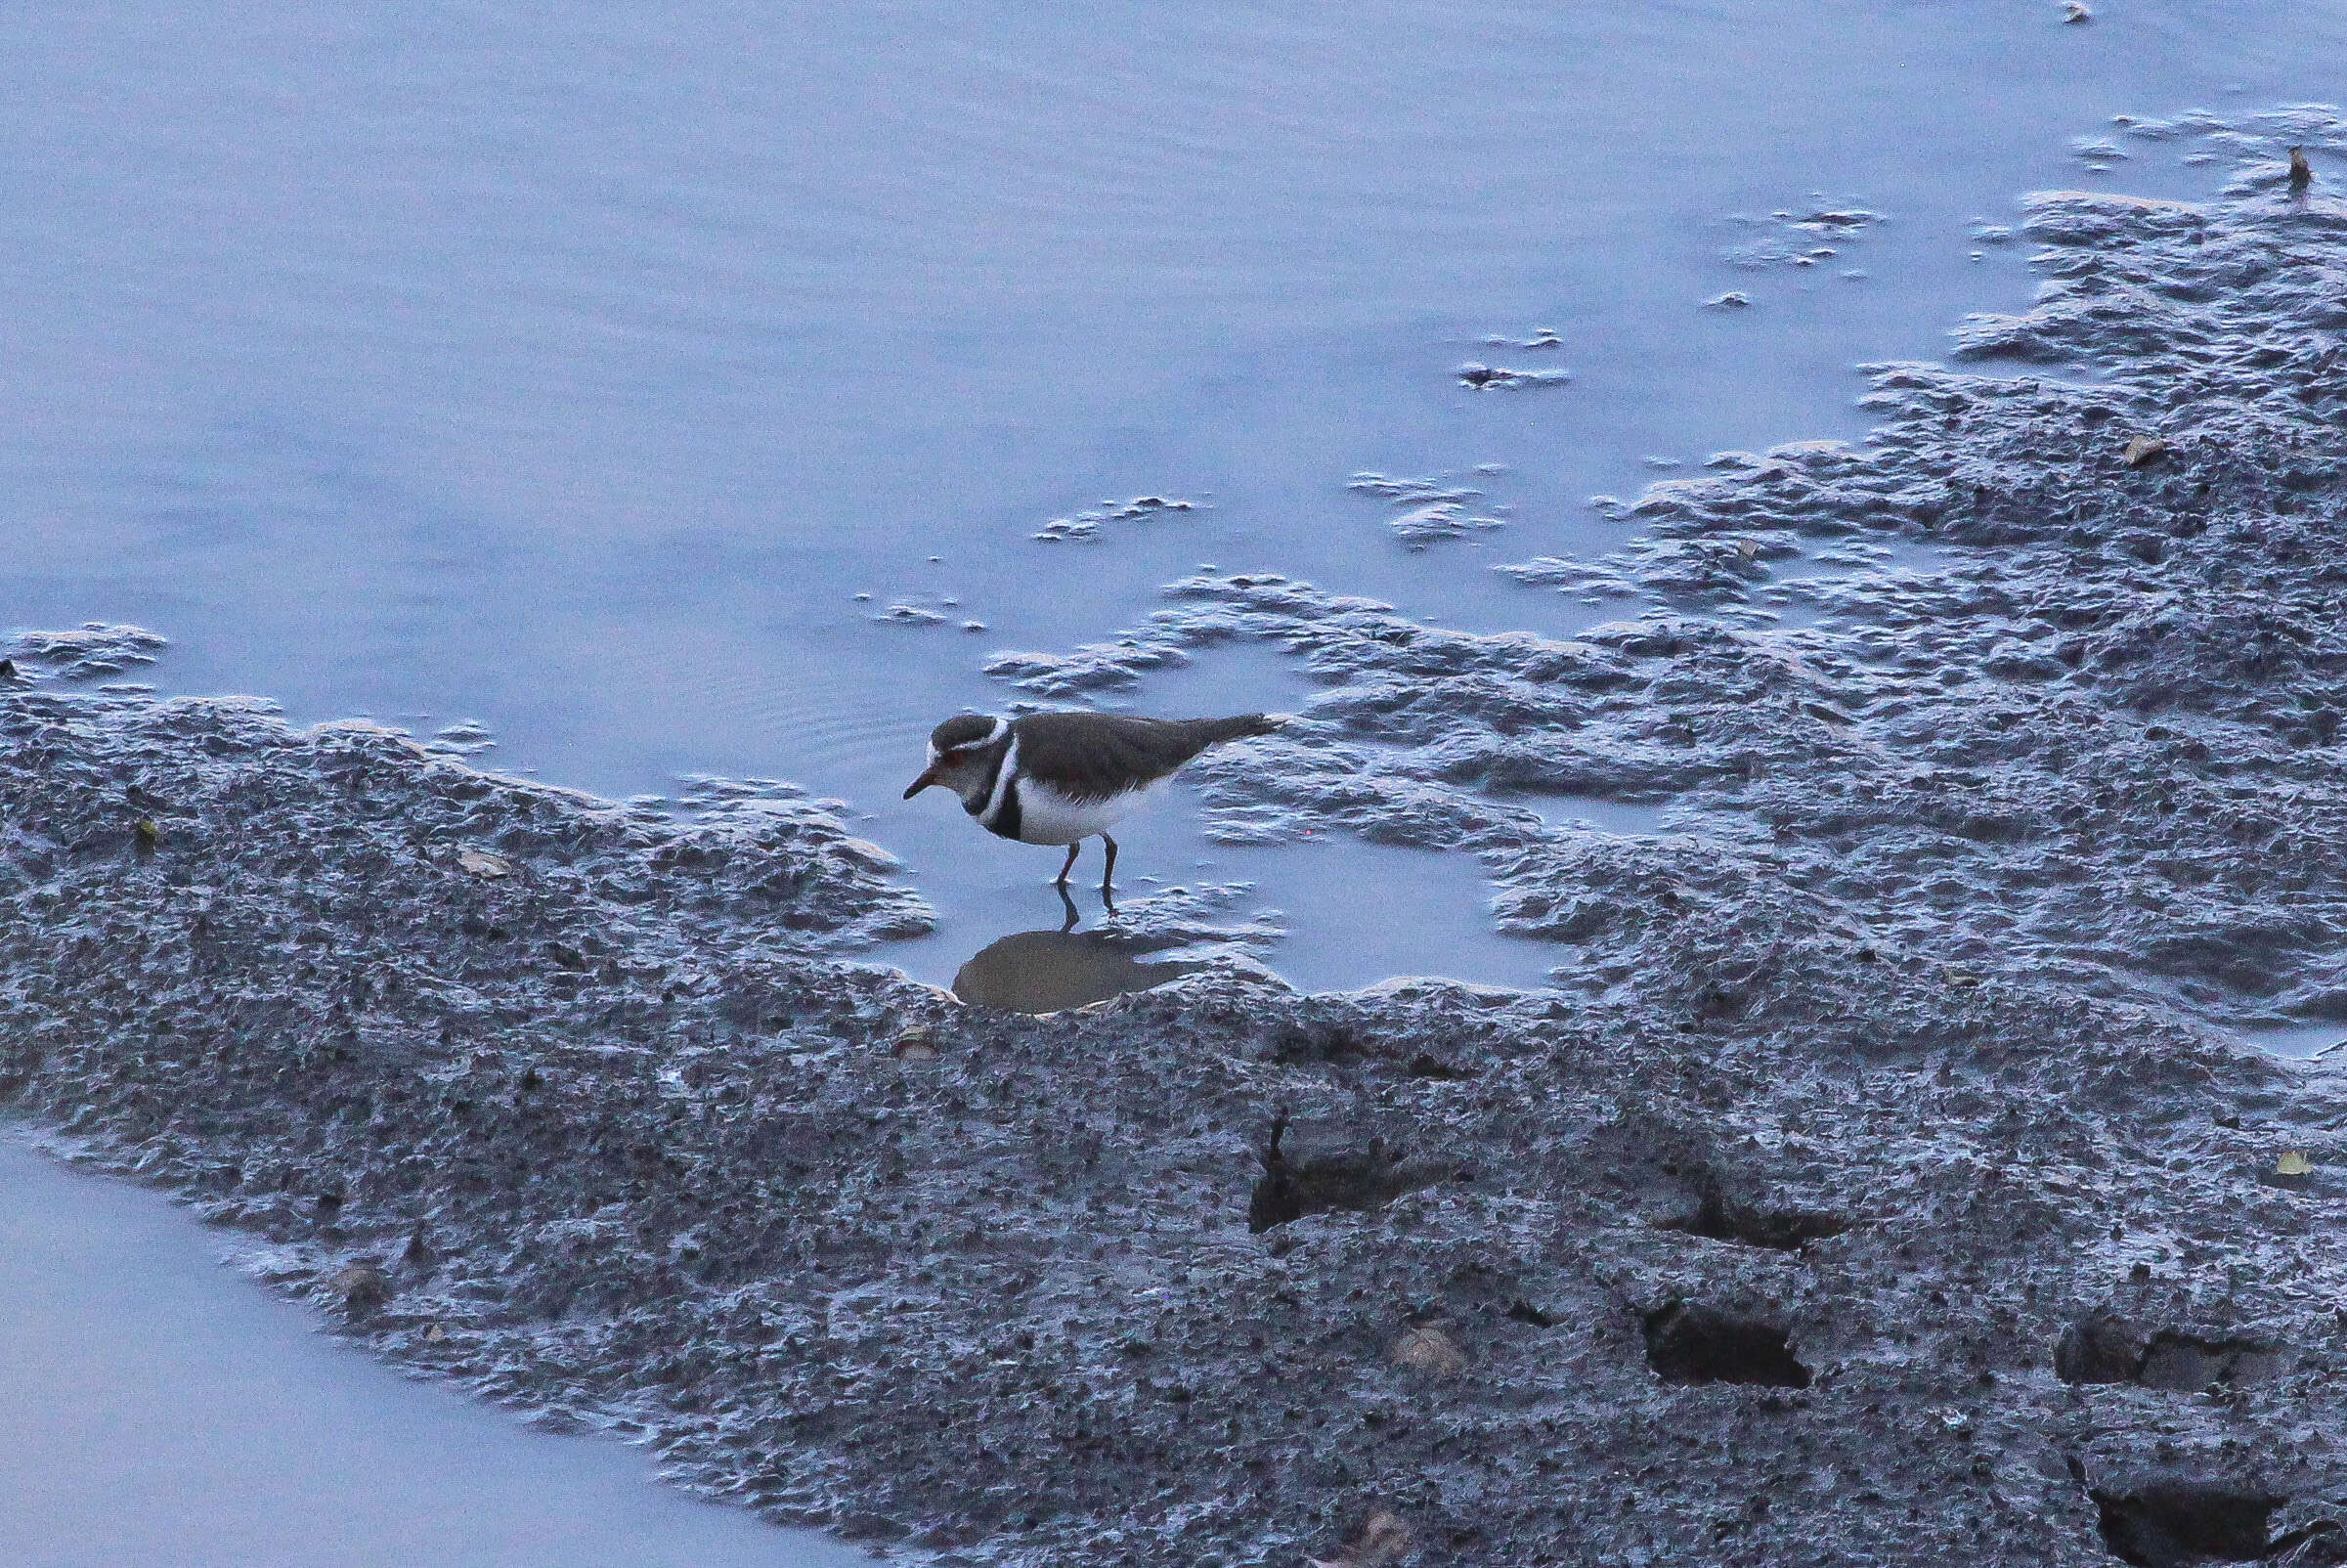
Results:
<point x="1090" y="757"/>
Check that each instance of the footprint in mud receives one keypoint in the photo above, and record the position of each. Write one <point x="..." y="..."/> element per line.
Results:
<point x="1689" y="1342"/>
<point x="2106" y="1348"/>
<point x="1362" y="1177"/>
<point x="2169" y="1521"/>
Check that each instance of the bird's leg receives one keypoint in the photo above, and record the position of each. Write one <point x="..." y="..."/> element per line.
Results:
<point x="1107" y="874"/>
<point x="1068" y="864"/>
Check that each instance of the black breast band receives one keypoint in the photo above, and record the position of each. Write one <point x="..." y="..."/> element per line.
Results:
<point x="1006" y="819"/>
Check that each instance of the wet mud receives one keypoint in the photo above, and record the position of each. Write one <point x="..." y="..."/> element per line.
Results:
<point x="1426" y="511"/>
<point x="1873" y="1191"/>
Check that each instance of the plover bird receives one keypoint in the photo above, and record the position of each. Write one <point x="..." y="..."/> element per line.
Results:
<point x="1059" y="778"/>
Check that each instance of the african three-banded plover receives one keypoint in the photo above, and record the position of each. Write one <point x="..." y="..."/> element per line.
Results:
<point x="1059" y="778"/>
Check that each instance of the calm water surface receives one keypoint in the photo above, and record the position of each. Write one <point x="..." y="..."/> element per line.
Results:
<point x="572" y="367"/>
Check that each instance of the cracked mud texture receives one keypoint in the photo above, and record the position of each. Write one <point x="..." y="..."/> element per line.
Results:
<point x="1882" y="1077"/>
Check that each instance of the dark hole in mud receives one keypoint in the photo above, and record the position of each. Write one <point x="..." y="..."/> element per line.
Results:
<point x="1304" y="1043"/>
<point x="2106" y="1348"/>
<point x="1427" y="1066"/>
<point x="1360" y="1177"/>
<point x="1720" y="1217"/>
<point x="2182" y="1361"/>
<point x="2171" y="1524"/>
<point x="1687" y="1342"/>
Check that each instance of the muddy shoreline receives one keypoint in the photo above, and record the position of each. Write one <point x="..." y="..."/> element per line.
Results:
<point x="1874" y="1190"/>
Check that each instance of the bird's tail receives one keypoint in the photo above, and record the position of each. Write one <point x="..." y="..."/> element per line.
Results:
<point x="1217" y="730"/>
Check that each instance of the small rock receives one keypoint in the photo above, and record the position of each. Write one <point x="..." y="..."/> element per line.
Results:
<point x="916" y="1044"/>
<point x="2145" y="450"/>
<point x="1428" y="1349"/>
<point x="361" y="1289"/>
<point x="1733" y="299"/>
<point x="2302" y="173"/>
<point x="2076" y="11"/>
<point x="1382" y="1539"/>
<point x="481" y="864"/>
<point x="1481" y="376"/>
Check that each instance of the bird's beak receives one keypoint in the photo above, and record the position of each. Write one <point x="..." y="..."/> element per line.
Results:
<point x="923" y="782"/>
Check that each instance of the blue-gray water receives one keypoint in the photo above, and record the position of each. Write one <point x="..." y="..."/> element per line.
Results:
<point x="572" y="367"/>
<point x="160" y="1410"/>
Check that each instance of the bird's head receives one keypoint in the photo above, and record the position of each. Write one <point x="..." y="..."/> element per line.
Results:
<point x="958" y="753"/>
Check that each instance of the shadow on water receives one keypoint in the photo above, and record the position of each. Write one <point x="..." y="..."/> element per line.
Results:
<point x="1047" y="971"/>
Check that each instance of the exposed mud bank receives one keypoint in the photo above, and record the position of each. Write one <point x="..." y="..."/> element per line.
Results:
<point x="1775" y="1262"/>
<point x="1870" y="1203"/>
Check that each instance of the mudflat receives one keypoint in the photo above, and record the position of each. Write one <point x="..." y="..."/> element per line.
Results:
<point x="1873" y="1190"/>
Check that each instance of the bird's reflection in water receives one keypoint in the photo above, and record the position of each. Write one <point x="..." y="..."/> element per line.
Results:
<point x="1045" y="971"/>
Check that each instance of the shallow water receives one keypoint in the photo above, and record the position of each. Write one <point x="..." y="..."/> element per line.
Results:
<point x="574" y="371"/>
<point x="162" y="1410"/>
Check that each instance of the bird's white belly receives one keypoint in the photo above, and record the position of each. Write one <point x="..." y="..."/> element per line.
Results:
<point x="1046" y="816"/>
